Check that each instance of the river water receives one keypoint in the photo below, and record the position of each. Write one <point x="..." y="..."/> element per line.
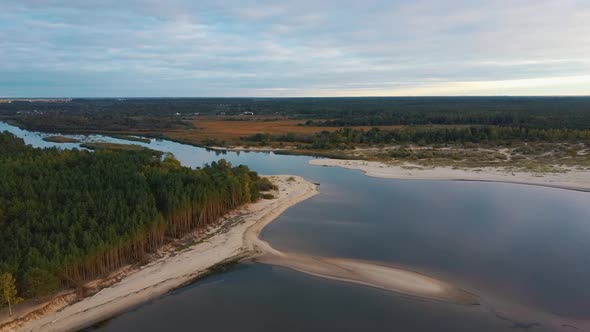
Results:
<point x="524" y="250"/>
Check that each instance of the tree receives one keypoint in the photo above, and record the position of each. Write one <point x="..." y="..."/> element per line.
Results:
<point x="39" y="282"/>
<point x="8" y="293"/>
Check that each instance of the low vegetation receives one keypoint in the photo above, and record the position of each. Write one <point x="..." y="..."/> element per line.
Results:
<point x="523" y="148"/>
<point x="60" y="139"/>
<point x="112" y="146"/>
<point x="268" y="196"/>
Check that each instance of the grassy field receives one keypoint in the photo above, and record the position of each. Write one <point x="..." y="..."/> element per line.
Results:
<point x="229" y="130"/>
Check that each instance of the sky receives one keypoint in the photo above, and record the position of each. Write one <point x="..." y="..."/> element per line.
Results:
<point x="240" y="48"/>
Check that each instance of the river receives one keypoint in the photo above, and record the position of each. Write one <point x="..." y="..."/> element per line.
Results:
<point x="524" y="250"/>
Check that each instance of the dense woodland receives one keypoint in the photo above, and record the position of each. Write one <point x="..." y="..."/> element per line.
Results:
<point x="70" y="216"/>
<point x="348" y="137"/>
<point x="166" y="113"/>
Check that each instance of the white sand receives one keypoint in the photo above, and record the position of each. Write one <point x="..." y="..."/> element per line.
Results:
<point x="374" y="275"/>
<point x="573" y="179"/>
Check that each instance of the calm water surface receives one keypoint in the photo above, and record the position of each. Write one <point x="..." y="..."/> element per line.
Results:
<point x="525" y="250"/>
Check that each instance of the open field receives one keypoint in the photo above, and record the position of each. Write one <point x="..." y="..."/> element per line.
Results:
<point x="229" y="130"/>
<point x="220" y="129"/>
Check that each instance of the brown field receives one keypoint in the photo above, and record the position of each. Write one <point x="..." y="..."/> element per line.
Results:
<point x="230" y="131"/>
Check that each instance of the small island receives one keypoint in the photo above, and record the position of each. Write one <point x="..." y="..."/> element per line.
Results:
<point x="60" y="139"/>
<point x="112" y="146"/>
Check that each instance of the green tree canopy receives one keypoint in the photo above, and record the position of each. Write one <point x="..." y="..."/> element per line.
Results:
<point x="67" y="216"/>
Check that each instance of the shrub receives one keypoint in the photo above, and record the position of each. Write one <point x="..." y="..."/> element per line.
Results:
<point x="265" y="185"/>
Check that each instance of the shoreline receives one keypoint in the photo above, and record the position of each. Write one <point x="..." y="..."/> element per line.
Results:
<point x="574" y="179"/>
<point x="235" y="239"/>
<point x="227" y="242"/>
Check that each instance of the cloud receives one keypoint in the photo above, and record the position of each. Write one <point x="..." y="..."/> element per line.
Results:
<point x="259" y="48"/>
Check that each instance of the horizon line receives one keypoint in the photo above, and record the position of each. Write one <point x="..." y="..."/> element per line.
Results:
<point x="297" y="97"/>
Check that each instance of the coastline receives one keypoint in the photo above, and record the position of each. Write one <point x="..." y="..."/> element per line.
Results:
<point x="573" y="179"/>
<point x="227" y="242"/>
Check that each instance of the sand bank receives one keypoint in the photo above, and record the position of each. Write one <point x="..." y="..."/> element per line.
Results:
<point x="374" y="275"/>
<point x="573" y="179"/>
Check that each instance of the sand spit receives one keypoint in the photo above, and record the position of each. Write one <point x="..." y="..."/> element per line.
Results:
<point x="573" y="179"/>
<point x="374" y="275"/>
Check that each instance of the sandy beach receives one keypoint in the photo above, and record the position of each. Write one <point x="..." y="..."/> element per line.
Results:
<point x="573" y="179"/>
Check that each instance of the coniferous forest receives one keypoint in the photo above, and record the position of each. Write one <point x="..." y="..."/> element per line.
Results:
<point x="347" y="138"/>
<point x="70" y="216"/>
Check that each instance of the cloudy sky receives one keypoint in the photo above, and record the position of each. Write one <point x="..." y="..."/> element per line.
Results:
<point x="293" y="48"/>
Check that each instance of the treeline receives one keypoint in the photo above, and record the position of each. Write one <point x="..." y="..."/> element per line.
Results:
<point x="143" y="113"/>
<point x="451" y="117"/>
<point x="349" y="137"/>
<point x="531" y="112"/>
<point x="70" y="216"/>
<point x="94" y="121"/>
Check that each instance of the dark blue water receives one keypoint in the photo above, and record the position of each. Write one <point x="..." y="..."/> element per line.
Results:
<point x="525" y="250"/>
